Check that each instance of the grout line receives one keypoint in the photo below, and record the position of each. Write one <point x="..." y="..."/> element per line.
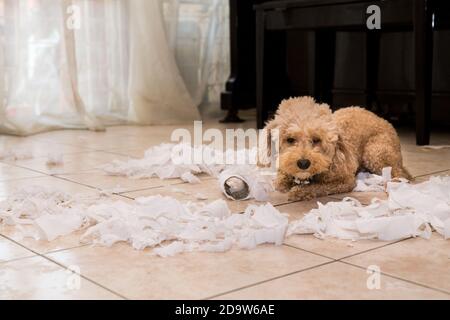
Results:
<point x="85" y="277"/>
<point x="43" y="255"/>
<point x="150" y="188"/>
<point x="55" y="174"/>
<point x="121" y="154"/>
<point x="156" y="187"/>
<point x="68" y="248"/>
<point x="429" y="174"/>
<point x="315" y="253"/>
<point x="268" y="280"/>
<point x="125" y="196"/>
<point x="24" y="178"/>
<point x="30" y="169"/>
<point x="318" y="266"/>
<point x="18" y="258"/>
<point x="81" y="184"/>
<point x="399" y="278"/>
<point x="375" y="248"/>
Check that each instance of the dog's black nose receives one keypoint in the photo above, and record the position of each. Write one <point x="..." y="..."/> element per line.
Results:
<point x="303" y="164"/>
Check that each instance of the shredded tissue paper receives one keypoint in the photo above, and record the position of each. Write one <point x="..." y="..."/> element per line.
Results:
<point x="170" y="227"/>
<point x="238" y="182"/>
<point x="411" y="210"/>
<point x="161" y="223"/>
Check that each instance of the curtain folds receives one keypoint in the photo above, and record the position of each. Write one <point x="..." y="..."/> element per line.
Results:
<point x="94" y="63"/>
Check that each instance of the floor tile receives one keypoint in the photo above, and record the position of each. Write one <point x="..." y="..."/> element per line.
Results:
<point x="41" y="245"/>
<point x="208" y="188"/>
<point x="10" y="250"/>
<point x="419" y="260"/>
<point x="136" y="153"/>
<point x="117" y="184"/>
<point x="296" y="210"/>
<point x="11" y="186"/>
<point x="11" y="172"/>
<point x="36" y="148"/>
<point x="120" y="141"/>
<point x="426" y="161"/>
<point x="427" y="177"/>
<point x="76" y="138"/>
<point x="408" y="138"/>
<point x="148" y="131"/>
<point x="72" y="163"/>
<point x="337" y="281"/>
<point x="139" y="275"/>
<point x="38" y="278"/>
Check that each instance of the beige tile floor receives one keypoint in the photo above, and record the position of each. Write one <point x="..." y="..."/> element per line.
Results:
<point x="303" y="268"/>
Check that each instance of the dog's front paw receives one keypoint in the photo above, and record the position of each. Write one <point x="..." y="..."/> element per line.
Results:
<point x="300" y="193"/>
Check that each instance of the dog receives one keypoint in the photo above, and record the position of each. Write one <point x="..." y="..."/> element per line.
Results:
<point x="320" y="152"/>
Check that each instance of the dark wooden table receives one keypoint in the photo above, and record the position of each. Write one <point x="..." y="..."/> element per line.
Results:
<point x="325" y="17"/>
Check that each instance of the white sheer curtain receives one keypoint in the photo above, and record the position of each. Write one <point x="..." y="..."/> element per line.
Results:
<point x="92" y="63"/>
<point x="198" y="33"/>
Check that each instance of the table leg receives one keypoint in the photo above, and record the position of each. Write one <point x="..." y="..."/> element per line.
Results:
<point x="260" y="34"/>
<point x="423" y="36"/>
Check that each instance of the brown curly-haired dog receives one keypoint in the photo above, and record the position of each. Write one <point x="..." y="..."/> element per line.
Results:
<point x="321" y="151"/>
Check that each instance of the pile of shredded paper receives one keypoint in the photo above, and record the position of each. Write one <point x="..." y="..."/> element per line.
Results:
<point x="183" y="161"/>
<point x="170" y="227"/>
<point x="162" y="223"/>
<point x="169" y="161"/>
<point x="410" y="210"/>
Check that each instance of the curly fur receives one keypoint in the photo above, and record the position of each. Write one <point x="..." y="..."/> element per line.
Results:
<point x="337" y="145"/>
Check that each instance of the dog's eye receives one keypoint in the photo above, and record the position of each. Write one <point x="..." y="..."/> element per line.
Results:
<point x="316" y="141"/>
<point x="290" y="140"/>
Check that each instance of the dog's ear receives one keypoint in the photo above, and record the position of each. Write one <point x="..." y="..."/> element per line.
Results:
<point x="344" y="159"/>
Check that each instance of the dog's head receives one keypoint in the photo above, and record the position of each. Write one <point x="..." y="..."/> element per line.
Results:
<point x="310" y="143"/>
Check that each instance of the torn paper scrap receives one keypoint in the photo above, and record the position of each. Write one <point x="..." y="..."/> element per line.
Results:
<point x="52" y="226"/>
<point x="436" y="147"/>
<point x="368" y="182"/>
<point x="189" y="177"/>
<point x="200" y="196"/>
<point x="54" y="159"/>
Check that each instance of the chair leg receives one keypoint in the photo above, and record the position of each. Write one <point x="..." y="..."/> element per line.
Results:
<point x="324" y="64"/>
<point x="423" y="34"/>
<point x="372" y="64"/>
<point x="261" y="111"/>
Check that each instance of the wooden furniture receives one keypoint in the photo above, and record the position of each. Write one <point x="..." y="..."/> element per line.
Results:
<point x="325" y="17"/>
<point x="240" y="89"/>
